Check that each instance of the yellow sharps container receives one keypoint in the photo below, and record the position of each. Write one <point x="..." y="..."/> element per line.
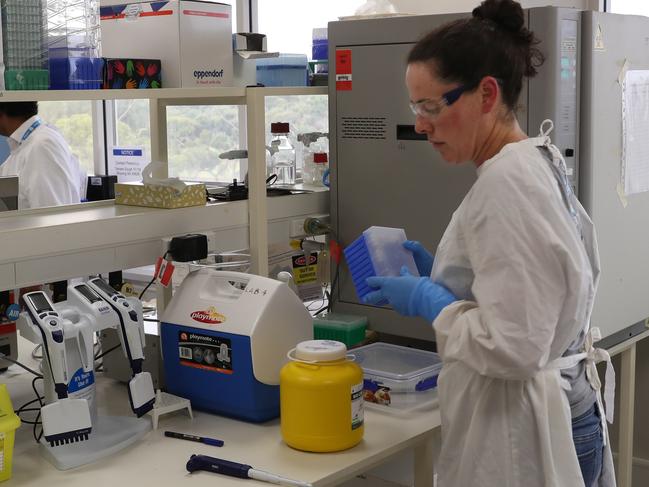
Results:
<point x="321" y="398"/>
<point x="9" y="422"/>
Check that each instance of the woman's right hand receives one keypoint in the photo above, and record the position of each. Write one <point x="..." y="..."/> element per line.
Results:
<point x="423" y="258"/>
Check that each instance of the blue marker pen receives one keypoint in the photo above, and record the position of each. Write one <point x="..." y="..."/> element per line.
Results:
<point x="197" y="439"/>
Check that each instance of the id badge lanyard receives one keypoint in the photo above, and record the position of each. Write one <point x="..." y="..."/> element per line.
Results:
<point x="37" y="123"/>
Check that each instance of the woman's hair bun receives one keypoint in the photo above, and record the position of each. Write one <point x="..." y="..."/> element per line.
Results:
<point x="507" y="14"/>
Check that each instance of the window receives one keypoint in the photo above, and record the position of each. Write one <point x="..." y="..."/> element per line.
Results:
<point x="302" y="17"/>
<point x="633" y="7"/>
<point x="74" y="120"/>
<point x="196" y="135"/>
<point x="132" y="125"/>
<point x="304" y="114"/>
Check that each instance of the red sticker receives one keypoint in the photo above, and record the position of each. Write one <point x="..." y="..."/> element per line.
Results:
<point x="158" y="263"/>
<point x="335" y="250"/>
<point x="7" y="328"/>
<point x="165" y="272"/>
<point x="343" y="69"/>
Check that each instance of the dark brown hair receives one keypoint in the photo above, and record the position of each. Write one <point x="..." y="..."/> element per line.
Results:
<point x="493" y="42"/>
<point x="19" y="109"/>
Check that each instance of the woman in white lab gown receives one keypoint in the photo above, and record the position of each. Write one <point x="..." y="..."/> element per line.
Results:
<point x="511" y="289"/>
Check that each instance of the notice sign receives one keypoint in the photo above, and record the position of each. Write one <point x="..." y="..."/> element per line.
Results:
<point x="127" y="163"/>
<point x="305" y="275"/>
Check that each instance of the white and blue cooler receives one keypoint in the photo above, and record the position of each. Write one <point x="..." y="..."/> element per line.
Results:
<point x="225" y="336"/>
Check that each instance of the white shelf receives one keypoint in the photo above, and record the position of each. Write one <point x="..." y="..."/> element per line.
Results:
<point x="294" y="90"/>
<point x="209" y="95"/>
<point x="46" y="245"/>
<point x="51" y="244"/>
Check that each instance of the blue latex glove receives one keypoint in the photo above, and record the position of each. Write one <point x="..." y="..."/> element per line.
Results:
<point x="410" y="295"/>
<point x="423" y="258"/>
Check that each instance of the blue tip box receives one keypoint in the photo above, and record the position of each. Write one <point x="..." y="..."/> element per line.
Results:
<point x="285" y="70"/>
<point x="378" y="251"/>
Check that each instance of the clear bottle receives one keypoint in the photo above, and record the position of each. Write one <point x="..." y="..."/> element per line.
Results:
<point x="307" y="165"/>
<point x="283" y="158"/>
<point x="269" y="163"/>
<point x="320" y="165"/>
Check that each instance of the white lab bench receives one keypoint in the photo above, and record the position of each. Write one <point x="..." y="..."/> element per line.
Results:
<point x="160" y="461"/>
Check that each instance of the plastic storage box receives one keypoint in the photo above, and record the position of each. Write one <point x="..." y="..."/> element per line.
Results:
<point x="348" y="329"/>
<point x="319" y="64"/>
<point x="73" y="41"/>
<point x="285" y="70"/>
<point x="76" y="73"/>
<point x="9" y="422"/>
<point x="378" y="251"/>
<point x="396" y="378"/>
<point x="27" y="79"/>
<point x="24" y="55"/>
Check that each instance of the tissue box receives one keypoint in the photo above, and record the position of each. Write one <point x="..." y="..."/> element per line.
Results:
<point x="138" y="194"/>
<point x="132" y="74"/>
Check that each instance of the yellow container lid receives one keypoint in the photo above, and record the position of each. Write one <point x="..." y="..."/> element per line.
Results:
<point x="9" y="421"/>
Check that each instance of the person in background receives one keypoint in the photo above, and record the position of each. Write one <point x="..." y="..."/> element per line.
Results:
<point x="512" y="285"/>
<point x="48" y="173"/>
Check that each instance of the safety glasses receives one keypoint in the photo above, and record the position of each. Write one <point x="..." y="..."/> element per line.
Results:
<point x="431" y="108"/>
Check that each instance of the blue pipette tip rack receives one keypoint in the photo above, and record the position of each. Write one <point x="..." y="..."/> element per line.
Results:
<point x="359" y="261"/>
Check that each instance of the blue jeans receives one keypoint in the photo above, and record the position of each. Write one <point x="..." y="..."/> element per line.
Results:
<point x="589" y="443"/>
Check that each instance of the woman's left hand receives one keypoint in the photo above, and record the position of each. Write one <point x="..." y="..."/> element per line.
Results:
<point x="410" y="295"/>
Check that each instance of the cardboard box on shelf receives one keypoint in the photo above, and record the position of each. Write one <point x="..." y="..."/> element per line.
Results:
<point x="193" y="39"/>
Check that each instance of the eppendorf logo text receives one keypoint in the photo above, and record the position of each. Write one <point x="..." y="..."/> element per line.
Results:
<point x="210" y="316"/>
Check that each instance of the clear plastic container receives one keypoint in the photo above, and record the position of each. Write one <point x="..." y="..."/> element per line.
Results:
<point x="321" y="164"/>
<point x="283" y="158"/>
<point x="73" y="28"/>
<point x="319" y="51"/>
<point x="73" y="42"/>
<point x="307" y="145"/>
<point x="378" y="251"/>
<point x="76" y="73"/>
<point x="285" y="70"/>
<point x="24" y="43"/>
<point x="398" y="378"/>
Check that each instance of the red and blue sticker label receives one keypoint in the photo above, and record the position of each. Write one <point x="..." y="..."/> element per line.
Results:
<point x="343" y="69"/>
<point x="154" y="9"/>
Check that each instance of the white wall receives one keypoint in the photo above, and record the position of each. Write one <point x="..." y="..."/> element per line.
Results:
<point x="449" y="6"/>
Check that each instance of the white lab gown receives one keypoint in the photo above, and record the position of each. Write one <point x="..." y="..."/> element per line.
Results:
<point x="513" y="256"/>
<point x="48" y="173"/>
